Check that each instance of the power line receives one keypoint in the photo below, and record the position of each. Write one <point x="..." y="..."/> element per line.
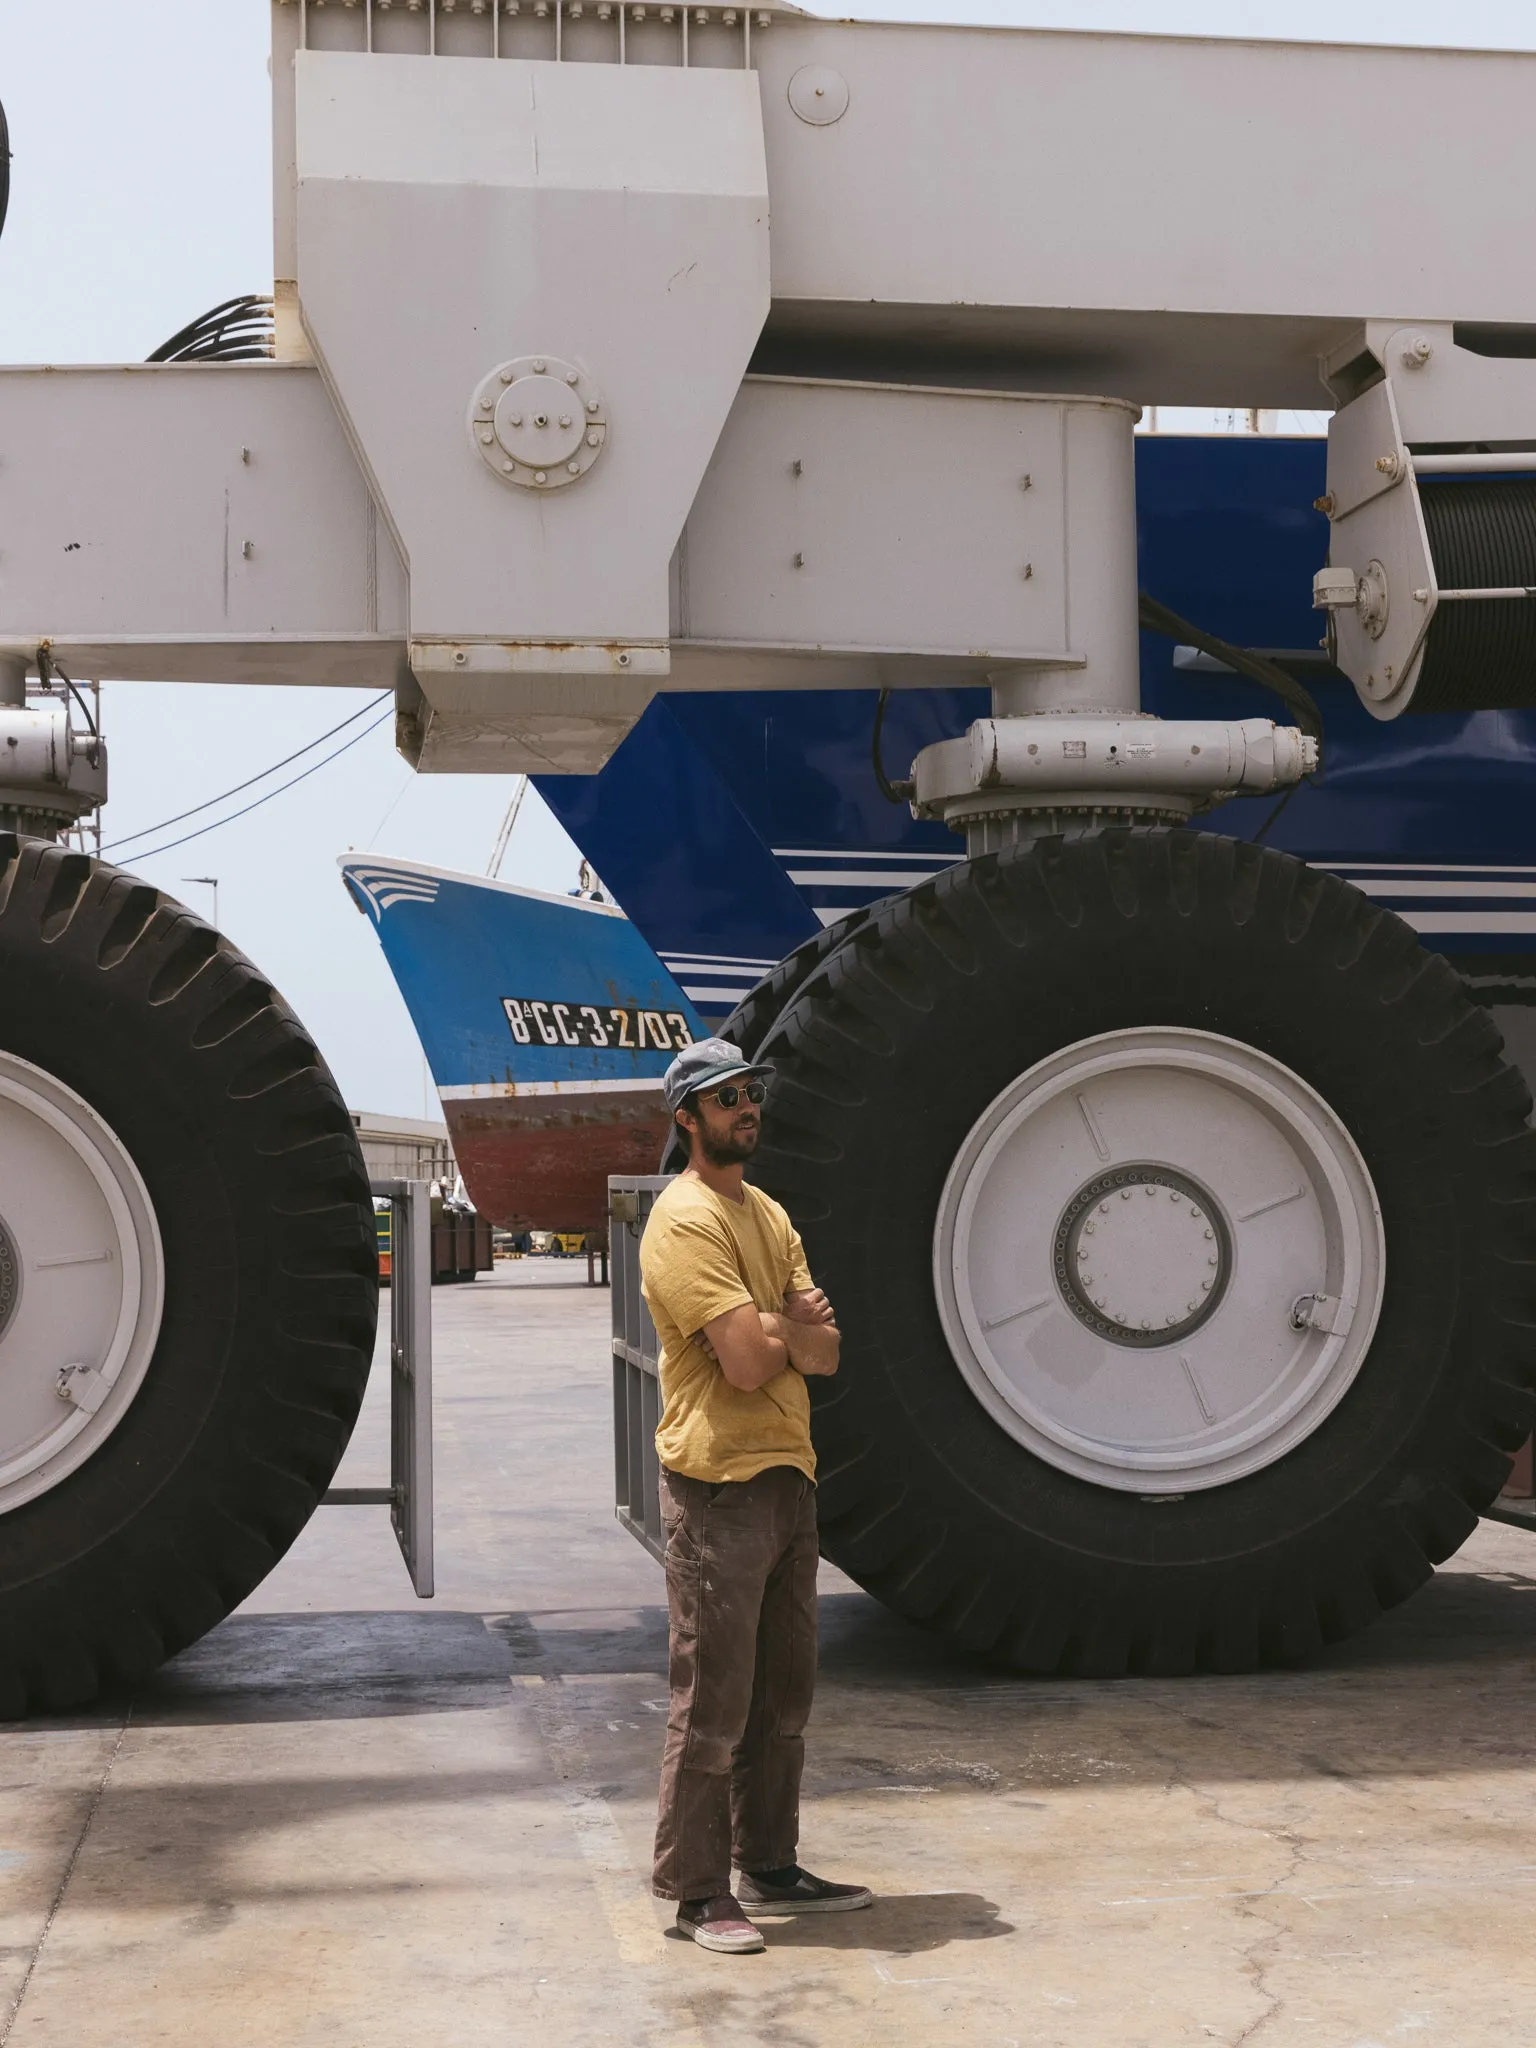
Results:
<point x="313" y="769"/>
<point x="165" y="824"/>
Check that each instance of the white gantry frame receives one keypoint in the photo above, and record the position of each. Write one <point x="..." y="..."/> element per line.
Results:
<point x="898" y="230"/>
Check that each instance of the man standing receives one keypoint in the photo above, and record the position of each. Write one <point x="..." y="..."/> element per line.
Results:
<point x="741" y="1327"/>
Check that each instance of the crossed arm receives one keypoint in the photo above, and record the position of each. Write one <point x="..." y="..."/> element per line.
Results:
<point x="752" y="1346"/>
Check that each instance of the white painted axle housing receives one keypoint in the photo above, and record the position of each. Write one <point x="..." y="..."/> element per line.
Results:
<point x="1130" y="764"/>
<point x="46" y="767"/>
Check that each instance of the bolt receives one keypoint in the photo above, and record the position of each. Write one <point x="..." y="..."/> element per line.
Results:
<point x="565" y="419"/>
<point x="1125" y="1194"/>
<point x="573" y="376"/>
<point x="1149" y="1191"/>
<point x="541" y="419"/>
<point x="1205" y="1286"/>
<point x="485" y="405"/>
<point x="591" y="405"/>
<point x="486" y="437"/>
<point x="1421" y="597"/>
<point x="1173" y="1194"/>
<point x="1145" y="1324"/>
<point x="1210" y="1234"/>
<point x="593" y="438"/>
<point x="1324" y="504"/>
<point x="574" y="468"/>
<point x="506" y="376"/>
<point x="1417" y="353"/>
<point x="1103" y="1208"/>
<point x="1088" y="1230"/>
<point x="516" y="419"/>
<point x="1387" y="464"/>
<point x="1170" y="1319"/>
<point x="623" y="659"/>
<point x="539" y="477"/>
<point x="1189" y="1308"/>
<point x="508" y="463"/>
<point x="538" y="366"/>
<point x="1194" y="1212"/>
<point x="460" y="658"/>
<point x="1211" y="1262"/>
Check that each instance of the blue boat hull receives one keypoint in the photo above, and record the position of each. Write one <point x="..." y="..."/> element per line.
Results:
<point x="547" y="1022"/>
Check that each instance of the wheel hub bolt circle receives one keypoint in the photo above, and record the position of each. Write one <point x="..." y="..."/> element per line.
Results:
<point x="1145" y="1254"/>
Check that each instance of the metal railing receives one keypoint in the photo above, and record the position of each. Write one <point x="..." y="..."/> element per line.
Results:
<point x="589" y="31"/>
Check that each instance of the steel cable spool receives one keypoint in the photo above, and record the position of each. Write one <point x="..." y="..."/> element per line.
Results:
<point x="1480" y="655"/>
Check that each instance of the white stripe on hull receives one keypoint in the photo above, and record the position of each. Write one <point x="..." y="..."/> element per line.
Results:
<point x="485" y="1091"/>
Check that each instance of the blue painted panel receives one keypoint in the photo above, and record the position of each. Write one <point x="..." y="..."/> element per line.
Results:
<point x="728" y="823"/>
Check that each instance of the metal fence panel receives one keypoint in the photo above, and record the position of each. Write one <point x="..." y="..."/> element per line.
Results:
<point x="636" y="1371"/>
<point x="409" y="1493"/>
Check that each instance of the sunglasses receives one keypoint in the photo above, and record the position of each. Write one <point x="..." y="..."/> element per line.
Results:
<point x="728" y="1094"/>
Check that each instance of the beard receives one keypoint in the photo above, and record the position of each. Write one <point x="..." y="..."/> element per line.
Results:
<point x="731" y="1150"/>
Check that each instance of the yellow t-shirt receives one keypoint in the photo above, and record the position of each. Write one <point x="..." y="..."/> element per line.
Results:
<point x="701" y="1256"/>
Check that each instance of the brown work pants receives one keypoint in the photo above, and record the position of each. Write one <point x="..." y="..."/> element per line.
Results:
<point x="741" y="1599"/>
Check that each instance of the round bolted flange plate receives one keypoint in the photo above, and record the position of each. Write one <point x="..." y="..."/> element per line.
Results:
<point x="819" y="95"/>
<point x="1145" y="1271"/>
<point x="1372" y="599"/>
<point x="538" y="422"/>
<point x="10" y="1276"/>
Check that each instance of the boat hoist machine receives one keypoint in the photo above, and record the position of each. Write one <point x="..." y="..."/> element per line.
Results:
<point x="1178" y="1208"/>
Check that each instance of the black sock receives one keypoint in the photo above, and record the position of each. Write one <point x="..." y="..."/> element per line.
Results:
<point x="780" y="1879"/>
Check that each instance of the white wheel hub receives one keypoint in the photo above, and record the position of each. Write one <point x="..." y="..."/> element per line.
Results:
<point x="1159" y="1260"/>
<point x="82" y="1281"/>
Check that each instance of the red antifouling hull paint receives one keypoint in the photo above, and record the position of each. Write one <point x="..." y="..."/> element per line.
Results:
<point x="541" y="1162"/>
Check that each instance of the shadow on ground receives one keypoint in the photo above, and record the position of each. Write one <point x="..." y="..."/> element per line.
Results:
<point x="1469" y="1633"/>
<point x="907" y="1924"/>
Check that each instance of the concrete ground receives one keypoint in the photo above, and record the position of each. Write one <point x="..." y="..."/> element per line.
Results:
<point x="350" y="1818"/>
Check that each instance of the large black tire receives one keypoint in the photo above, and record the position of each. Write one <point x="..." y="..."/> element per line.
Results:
<point x="761" y="1007"/>
<point x="900" y="1040"/>
<point x="252" y="1165"/>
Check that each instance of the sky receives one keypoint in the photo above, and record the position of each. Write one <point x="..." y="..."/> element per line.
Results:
<point x="140" y="196"/>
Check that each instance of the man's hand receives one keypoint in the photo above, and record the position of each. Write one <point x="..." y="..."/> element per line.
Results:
<point x="810" y="1306"/>
<point x="812" y="1346"/>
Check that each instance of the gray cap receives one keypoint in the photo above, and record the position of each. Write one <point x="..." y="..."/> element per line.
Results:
<point x="705" y="1064"/>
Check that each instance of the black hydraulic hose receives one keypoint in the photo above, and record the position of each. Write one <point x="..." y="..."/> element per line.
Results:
<point x="46" y="667"/>
<point x="893" y="792"/>
<point x="238" y="331"/>
<point x="1303" y="706"/>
